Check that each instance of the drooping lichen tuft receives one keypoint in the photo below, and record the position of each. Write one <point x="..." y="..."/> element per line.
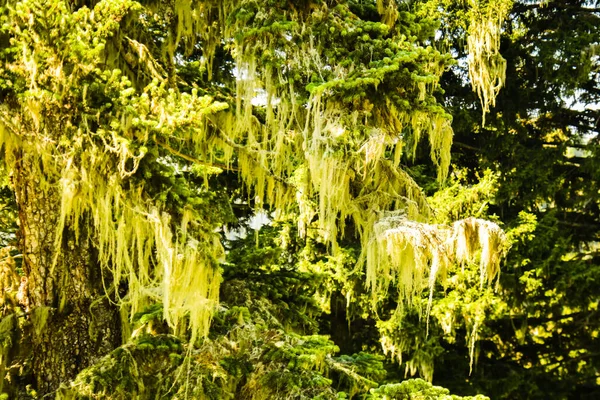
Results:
<point x="414" y="257"/>
<point x="476" y="237"/>
<point x="87" y="155"/>
<point x="324" y="107"/>
<point x="487" y="67"/>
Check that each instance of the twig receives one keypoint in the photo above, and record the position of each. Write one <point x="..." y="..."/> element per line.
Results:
<point x="193" y="159"/>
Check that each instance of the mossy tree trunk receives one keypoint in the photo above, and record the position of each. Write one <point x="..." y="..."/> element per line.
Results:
<point x="73" y="323"/>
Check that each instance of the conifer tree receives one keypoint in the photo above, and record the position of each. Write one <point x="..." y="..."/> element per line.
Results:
<point x="122" y="124"/>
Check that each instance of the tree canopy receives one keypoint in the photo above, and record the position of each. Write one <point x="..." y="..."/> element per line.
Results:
<point x="262" y="199"/>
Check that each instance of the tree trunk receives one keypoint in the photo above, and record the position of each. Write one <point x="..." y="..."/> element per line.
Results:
<point x="340" y="328"/>
<point x="73" y="321"/>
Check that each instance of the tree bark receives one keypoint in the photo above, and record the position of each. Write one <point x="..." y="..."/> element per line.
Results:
<point x="73" y="322"/>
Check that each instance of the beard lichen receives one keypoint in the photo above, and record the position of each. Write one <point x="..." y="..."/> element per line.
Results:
<point x="487" y="67"/>
<point x="90" y="154"/>
<point x="413" y="257"/>
<point x="482" y="21"/>
<point x="313" y="126"/>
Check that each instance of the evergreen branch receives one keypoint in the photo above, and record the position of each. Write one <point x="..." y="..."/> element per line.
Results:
<point x="193" y="159"/>
<point x="466" y="146"/>
<point x="5" y="121"/>
<point x="337" y="366"/>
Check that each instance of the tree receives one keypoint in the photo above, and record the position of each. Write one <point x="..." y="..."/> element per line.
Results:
<point x="124" y="127"/>
<point x="541" y="140"/>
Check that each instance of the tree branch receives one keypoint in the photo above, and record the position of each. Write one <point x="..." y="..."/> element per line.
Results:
<point x="466" y="146"/>
<point x="193" y="159"/>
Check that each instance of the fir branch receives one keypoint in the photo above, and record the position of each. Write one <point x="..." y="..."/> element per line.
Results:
<point x="193" y="159"/>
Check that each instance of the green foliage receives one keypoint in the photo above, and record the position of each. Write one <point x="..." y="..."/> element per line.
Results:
<point x="138" y="369"/>
<point x="266" y="281"/>
<point x="540" y="142"/>
<point x="360" y="371"/>
<point x="157" y="130"/>
<point x="416" y="389"/>
<point x="249" y="362"/>
<point x="460" y="199"/>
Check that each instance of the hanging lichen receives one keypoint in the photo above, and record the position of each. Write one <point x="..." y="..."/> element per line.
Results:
<point x="324" y="109"/>
<point x="487" y="67"/>
<point x="486" y="239"/>
<point x="483" y="21"/>
<point x="404" y="340"/>
<point x="413" y="257"/>
<point x="388" y="9"/>
<point x="168" y="258"/>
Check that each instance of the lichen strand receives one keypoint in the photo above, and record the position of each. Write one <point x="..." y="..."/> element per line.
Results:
<point x="487" y="67"/>
<point x="482" y="20"/>
<point x="388" y="9"/>
<point x="138" y="242"/>
<point x="416" y="351"/>
<point x="471" y="237"/>
<point x="405" y="253"/>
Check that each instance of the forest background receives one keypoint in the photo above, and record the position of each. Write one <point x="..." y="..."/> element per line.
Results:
<point x="299" y="199"/>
